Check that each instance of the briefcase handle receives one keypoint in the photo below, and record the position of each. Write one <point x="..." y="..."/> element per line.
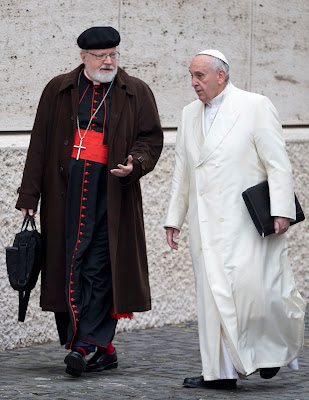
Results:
<point x="28" y="218"/>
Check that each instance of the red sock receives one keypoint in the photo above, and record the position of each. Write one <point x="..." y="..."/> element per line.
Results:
<point x="82" y="349"/>
<point x="110" y="349"/>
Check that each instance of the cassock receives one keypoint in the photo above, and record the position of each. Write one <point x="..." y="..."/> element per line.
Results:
<point x="249" y="310"/>
<point x="88" y="274"/>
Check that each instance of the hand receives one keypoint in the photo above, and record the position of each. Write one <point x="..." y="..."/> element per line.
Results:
<point x="172" y="233"/>
<point x="30" y="212"/>
<point x="123" y="170"/>
<point x="281" y="225"/>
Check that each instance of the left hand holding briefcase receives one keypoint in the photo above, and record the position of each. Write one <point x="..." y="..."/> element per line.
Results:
<point x="257" y="201"/>
<point x="23" y="261"/>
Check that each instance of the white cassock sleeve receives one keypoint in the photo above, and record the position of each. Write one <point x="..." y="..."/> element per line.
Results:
<point x="270" y="146"/>
<point x="180" y="186"/>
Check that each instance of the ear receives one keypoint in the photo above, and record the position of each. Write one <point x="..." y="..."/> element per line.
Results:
<point x="221" y="76"/>
<point x="83" y="56"/>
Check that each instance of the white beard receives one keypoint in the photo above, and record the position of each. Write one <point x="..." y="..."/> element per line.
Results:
<point x="101" y="76"/>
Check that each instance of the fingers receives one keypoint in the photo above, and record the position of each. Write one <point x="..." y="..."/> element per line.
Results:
<point x="30" y="212"/>
<point x="123" y="170"/>
<point x="130" y="160"/>
<point x="281" y="225"/>
<point x="172" y="233"/>
<point x="277" y="226"/>
<point x="169" y="237"/>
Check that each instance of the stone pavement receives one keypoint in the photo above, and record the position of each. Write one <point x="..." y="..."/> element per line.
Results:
<point x="152" y="365"/>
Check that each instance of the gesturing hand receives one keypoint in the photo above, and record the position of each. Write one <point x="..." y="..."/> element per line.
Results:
<point x="123" y="170"/>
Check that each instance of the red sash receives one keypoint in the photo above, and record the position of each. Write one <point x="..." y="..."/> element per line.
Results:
<point x="95" y="149"/>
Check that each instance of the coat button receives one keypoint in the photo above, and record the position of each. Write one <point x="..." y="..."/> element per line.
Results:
<point x="61" y="169"/>
<point x="72" y="117"/>
<point x="62" y="194"/>
<point x="66" y="142"/>
<point x="221" y="219"/>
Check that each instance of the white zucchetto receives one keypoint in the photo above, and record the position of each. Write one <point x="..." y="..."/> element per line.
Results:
<point x="214" y="53"/>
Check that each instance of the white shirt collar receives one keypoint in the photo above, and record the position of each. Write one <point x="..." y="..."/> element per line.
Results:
<point x="216" y="101"/>
<point x="87" y="76"/>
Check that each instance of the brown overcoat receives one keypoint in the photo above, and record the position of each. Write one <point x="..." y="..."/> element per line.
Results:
<point x="135" y="129"/>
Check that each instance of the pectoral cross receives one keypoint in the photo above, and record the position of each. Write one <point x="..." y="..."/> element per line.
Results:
<point x="79" y="147"/>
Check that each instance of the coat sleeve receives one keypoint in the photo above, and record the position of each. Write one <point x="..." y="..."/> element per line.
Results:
<point x="270" y="146"/>
<point x="31" y="186"/>
<point x="147" y="147"/>
<point x="179" y="192"/>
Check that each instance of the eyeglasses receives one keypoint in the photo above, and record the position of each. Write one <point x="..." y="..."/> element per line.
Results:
<point x="103" y="57"/>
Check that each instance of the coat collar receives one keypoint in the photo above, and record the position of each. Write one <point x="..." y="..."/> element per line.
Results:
<point x="71" y="79"/>
<point x="122" y="80"/>
<point x="222" y="125"/>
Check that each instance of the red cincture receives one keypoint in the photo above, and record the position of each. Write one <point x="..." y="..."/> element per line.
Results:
<point x="93" y="148"/>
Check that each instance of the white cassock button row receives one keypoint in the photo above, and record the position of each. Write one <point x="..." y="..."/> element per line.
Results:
<point x="221" y="219"/>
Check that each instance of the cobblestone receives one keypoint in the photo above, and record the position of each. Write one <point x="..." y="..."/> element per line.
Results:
<point x="152" y="366"/>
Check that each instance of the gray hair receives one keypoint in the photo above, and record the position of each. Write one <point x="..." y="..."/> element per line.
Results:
<point x="217" y="65"/>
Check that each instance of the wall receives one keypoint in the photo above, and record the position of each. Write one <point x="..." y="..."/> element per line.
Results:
<point x="266" y="45"/>
<point x="171" y="275"/>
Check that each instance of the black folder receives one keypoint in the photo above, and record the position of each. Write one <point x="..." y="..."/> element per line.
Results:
<point x="258" y="204"/>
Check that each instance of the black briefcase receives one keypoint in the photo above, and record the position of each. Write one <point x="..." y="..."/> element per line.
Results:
<point x="23" y="261"/>
<point x="258" y="204"/>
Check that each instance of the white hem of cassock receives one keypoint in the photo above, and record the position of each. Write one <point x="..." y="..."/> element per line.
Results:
<point x="227" y="369"/>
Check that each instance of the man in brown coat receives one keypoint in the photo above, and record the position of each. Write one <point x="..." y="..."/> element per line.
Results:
<point x="96" y="133"/>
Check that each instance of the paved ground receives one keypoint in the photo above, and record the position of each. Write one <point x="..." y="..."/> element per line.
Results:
<point x="152" y="365"/>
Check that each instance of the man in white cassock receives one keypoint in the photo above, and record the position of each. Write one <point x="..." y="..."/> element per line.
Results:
<point x="250" y="314"/>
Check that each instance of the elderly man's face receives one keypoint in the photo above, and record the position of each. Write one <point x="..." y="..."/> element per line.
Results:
<point x="206" y="82"/>
<point x="100" y="70"/>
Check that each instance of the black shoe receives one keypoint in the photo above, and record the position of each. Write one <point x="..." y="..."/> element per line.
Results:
<point x="101" y="360"/>
<point x="198" y="382"/>
<point x="267" y="373"/>
<point x="76" y="363"/>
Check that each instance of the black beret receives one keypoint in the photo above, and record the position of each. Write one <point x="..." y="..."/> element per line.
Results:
<point x="100" y="37"/>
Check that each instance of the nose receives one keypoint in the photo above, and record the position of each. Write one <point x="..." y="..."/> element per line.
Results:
<point x="193" y="83"/>
<point x="108" y="60"/>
